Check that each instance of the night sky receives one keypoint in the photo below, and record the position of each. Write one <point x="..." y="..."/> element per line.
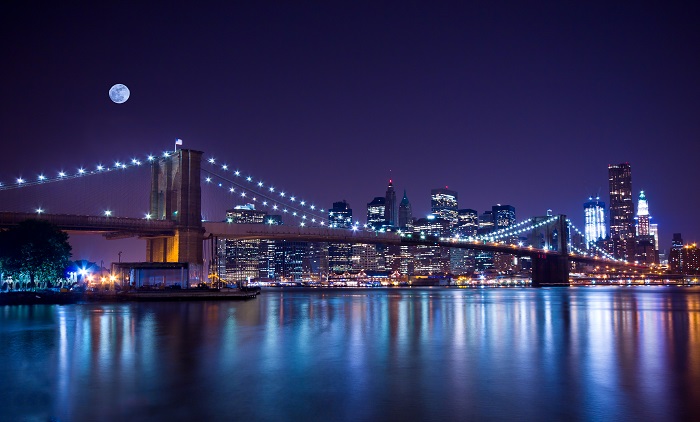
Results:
<point x="522" y="103"/>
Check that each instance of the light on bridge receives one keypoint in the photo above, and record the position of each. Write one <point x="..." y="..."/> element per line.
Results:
<point x="20" y="180"/>
<point x="108" y="213"/>
<point x="211" y="160"/>
<point x="61" y="174"/>
<point x="148" y="216"/>
<point x="39" y="210"/>
<point x="42" y="177"/>
<point x="151" y="158"/>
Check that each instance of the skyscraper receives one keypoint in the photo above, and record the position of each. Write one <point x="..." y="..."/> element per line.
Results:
<point x="468" y="222"/>
<point x="503" y="216"/>
<point x="621" y="210"/>
<point x="340" y="216"/>
<point x="443" y="204"/>
<point x="376" y="213"/>
<point x="642" y="215"/>
<point x="240" y="260"/>
<point x="340" y="254"/>
<point x="594" y="225"/>
<point x="405" y="212"/>
<point x="390" y="211"/>
<point x="674" y="257"/>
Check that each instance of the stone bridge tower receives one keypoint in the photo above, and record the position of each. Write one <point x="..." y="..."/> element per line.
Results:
<point x="550" y="268"/>
<point x="176" y="195"/>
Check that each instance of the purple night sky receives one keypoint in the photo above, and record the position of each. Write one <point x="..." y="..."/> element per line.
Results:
<point x="505" y="102"/>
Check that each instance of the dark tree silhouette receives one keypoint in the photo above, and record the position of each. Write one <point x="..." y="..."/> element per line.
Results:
<point x="34" y="250"/>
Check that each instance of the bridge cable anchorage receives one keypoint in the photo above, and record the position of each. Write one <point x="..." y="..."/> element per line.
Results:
<point x="296" y="206"/>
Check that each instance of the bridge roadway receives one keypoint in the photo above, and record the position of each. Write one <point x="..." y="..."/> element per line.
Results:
<point x="318" y="234"/>
<point x="118" y="227"/>
<point x="112" y="227"/>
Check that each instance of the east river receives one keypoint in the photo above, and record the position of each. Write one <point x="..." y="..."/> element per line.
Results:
<point x="295" y="354"/>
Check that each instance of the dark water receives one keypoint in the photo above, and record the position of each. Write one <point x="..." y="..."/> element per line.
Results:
<point x="360" y="355"/>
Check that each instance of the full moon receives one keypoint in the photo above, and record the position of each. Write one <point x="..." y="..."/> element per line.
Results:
<point x="119" y="93"/>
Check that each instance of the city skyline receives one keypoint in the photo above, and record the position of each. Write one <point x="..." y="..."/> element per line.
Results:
<point x="507" y="104"/>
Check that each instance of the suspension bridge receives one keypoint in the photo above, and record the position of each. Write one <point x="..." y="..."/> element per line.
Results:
<point x="175" y="230"/>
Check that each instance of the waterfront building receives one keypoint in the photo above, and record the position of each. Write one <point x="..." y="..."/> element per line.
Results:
<point x="594" y="223"/>
<point x="443" y="204"/>
<point x="405" y="213"/>
<point x="390" y="211"/>
<point x="365" y="257"/>
<point x="621" y="210"/>
<point x="376" y="213"/>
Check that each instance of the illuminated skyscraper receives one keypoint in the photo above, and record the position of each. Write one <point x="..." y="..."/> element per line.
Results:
<point x="621" y="210"/>
<point x="468" y="222"/>
<point x="390" y="211"/>
<point x="674" y="257"/>
<point x="503" y="216"/>
<point x="405" y="212"/>
<point x="340" y="254"/>
<point x="654" y="231"/>
<point x="594" y="226"/>
<point x="340" y="216"/>
<point x="376" y="211"/>
<point x="642" y="215"/>
<point x="240" y="260"/>
<point x="443" y="204"/>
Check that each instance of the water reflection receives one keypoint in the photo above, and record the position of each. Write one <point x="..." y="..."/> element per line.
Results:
<point x="580" y="353"/>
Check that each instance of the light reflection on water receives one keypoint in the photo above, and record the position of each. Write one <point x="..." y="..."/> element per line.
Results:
<point x="604" y="353"/>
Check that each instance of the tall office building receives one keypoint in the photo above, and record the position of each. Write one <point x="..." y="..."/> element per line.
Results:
<point x="467" y="222"/>
<point x="390" y="211"/>
<point x="503" y="216"/>
<point x="674" y="256"/>
<point x="486" y="223"/>
<point x="405" y="212"/>
<point x="443" y="204"/>
<point x="594" y="225"/>
<point x="654" y="231"/>
<point x="340" y="254"/>
<point x="240" y="260"/>
<point x="621" y="210"/>
<point x="643" y="215"/>
<point x="340" y="216"/>
<point x="376" y="213"/>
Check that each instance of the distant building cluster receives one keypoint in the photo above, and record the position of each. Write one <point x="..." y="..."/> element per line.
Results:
<point x="631" y="237"/>
<point x="243" y="260"/>
<point x="619" y="232"/>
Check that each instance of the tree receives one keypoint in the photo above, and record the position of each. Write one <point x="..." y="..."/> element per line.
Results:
<point x="36" y="250"/>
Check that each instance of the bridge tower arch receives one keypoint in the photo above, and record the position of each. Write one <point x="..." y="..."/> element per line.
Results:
<point x="550" y="268"/>
<point x="176" y="195"/>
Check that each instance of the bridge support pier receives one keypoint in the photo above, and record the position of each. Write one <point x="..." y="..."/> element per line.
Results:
<point x="550" y="270"/>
